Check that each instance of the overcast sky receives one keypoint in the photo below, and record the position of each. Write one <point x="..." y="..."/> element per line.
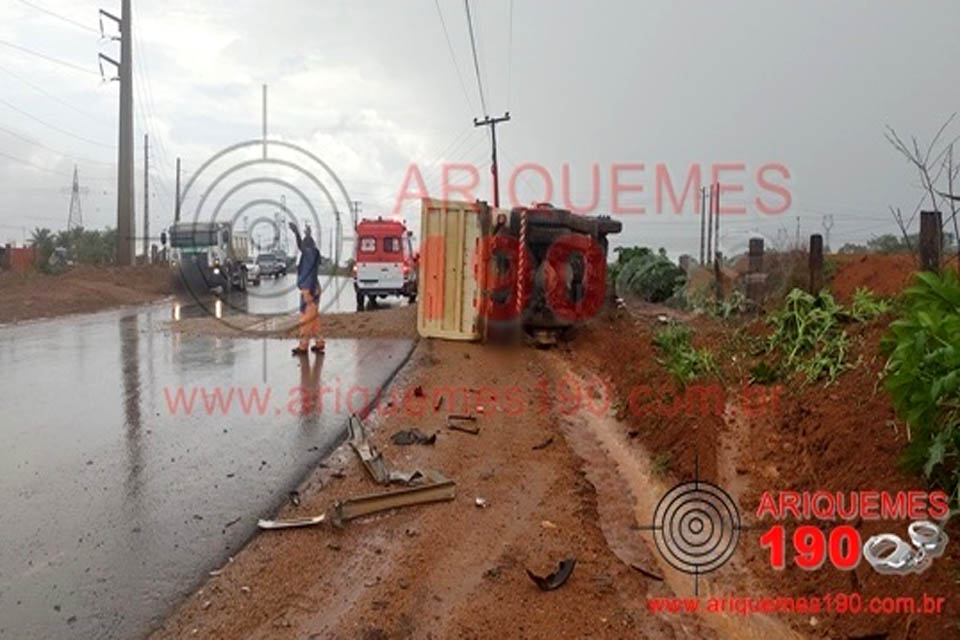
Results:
<point x="371" y="87"/>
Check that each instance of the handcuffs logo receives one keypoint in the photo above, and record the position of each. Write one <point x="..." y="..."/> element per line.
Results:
<point x="889" y="554"/>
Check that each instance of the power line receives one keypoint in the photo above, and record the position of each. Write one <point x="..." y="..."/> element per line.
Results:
<point x="453" y="56"/>
<point x="37" y="143"/>
<point x="48" y="58"/>
<point x="51" y="96"/>
<point x="476" y="62"/>
<point x="57" y="15"/>
<point x="35" y="166"/>
<point x="54" y="127"/>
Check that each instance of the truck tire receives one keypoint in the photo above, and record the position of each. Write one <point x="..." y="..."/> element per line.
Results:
<point x="359" y="301"/>
<point x="243" y="279"/>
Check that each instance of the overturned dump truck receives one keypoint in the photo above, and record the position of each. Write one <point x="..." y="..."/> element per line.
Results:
<point x="486" y="273"/>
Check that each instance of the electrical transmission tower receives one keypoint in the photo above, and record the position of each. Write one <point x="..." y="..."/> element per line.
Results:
<point x="827" y="225"/>
<point x="75" y="216"/>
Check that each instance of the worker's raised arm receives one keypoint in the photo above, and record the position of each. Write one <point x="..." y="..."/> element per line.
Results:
<point x="296" y="232"/>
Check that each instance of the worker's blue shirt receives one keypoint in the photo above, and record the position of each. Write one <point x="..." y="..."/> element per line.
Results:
<point x="308" y="268"/>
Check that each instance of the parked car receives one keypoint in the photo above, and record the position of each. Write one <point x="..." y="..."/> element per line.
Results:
<point x="253" y="272"/>
<point x="385" y="261"/>
<point x="272" y="265"/>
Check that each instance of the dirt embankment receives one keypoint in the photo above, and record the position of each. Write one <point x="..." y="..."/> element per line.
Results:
<point x="82" y="289"/>
<point x="884" y="274"/>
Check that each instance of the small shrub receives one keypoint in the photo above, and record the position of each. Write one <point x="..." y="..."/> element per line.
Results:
<point x="682" y="360"/>
<point x="923" y="376"/>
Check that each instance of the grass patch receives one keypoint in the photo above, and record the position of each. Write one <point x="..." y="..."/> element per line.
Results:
<point x="682" y="360"/>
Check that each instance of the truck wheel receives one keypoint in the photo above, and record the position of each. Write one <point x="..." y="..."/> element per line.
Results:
<point x="359" y="301"/>
<point x="412" y="298"/>
<point x="243" y="280"/>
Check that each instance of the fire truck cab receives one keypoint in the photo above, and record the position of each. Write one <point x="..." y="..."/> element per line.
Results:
<point x="384" y="261"/>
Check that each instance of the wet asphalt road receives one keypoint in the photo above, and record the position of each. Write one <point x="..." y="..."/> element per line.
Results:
<point x="117" y="496"/>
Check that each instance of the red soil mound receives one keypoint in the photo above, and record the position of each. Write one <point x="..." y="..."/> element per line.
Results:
<point x="884" y="274"/>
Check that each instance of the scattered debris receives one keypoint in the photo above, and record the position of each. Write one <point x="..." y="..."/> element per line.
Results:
<point x="206" y="605"/>
<point x="438" y="403"/>
<point x="231" y="523"/>
<point x="440" y="489"/>
<point x="373" y="459"/>
<point x="481" y="502"/>
<point x="418" y="391"/>
<point x="412" y="436"/>
<point x="555" y="579"/>
<point x="459" y="427"/>
<point x="543" y="445"/>
<point x="480" y="409"/>
<point x="462" y="416"/>
<point x="546" y="524"/>
<point x="411" y="532"/>
<point x="290" y="524"/>
<point x="647" y="573"/>
<point x="294" y="498"/>
<point x="492" y="573"/>
<point x="337" y="473"/>
<point x="245" y="589"/>
<point x="333" y="546"/>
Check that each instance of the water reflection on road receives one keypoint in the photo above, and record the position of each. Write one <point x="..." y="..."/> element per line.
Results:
<point x="134" y="460"/>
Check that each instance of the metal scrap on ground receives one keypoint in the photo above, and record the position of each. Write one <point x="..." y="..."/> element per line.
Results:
<point x="412" y="436"/>
<point x="373" y="460"/>
<point x="432" y="486"/>
<point x="555" y="579"/>
<point x="465" y="429"/>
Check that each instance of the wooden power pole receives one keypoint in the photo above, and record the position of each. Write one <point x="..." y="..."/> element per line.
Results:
<point x="492" y="123"/>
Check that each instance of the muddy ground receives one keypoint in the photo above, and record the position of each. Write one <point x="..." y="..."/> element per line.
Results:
<point x="82" y="289"/>
<point x="568" y="470"/>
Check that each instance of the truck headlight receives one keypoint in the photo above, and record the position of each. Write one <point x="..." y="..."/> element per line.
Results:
<point x="216" y="271"/>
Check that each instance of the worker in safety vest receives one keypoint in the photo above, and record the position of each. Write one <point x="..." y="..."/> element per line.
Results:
<point x="308" y="283"/>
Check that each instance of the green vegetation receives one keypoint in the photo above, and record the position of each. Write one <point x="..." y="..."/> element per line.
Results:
<point x="866" y="306"/>
<point x="809" y="334"/>
<point x="923" y="376"/>
<point x="723" y="308"/>
<point x="82" y="245"/>
<point x="641" y="273"/>
<point x="682" y="360"/>
<point x="889" y="243"/>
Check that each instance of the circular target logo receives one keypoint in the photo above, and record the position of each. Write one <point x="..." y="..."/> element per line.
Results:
<point x="696" y="527"/>
<point x="239" y="204"/>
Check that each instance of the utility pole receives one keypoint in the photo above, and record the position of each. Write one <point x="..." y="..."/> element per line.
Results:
<point x="492" y="123"/>
<point x="176" y="204"/>
<point x="709" y="254"/>
<point x="125" y="211"/>
<point x="827" y="225"/>
<point x="146" y="198"/>
<point x="798" y="233"/>
<point x="703" y="218"/>
<point x="355" y="206"/>
<point x="716" y="217"/>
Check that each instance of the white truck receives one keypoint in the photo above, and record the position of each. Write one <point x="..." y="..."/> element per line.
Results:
<point x="209" y="255"/>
